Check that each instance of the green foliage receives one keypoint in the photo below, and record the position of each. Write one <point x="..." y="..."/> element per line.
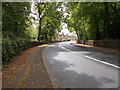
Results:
<point x="11" y="48"/>
<point x="17" y="29"/>
<point x="15" y="14"/>
<point x="94" y="21"/>
<point x="49" y="21"/>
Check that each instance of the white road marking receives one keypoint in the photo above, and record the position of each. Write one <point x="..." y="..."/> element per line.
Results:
<point x="103" y="62"/>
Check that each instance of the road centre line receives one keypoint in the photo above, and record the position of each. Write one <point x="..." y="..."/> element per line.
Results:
<point x="103" y="62"/>
<point x="100" y="61"/>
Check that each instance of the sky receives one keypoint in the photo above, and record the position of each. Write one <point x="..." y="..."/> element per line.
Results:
<point x="66" y="31"/>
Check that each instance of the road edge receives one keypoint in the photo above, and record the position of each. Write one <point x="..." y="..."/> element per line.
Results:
<point x="97" y="48"/>
<point x="55" y="85"/>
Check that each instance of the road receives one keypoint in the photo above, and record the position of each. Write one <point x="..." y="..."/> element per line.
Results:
<point x="75" y="67"/>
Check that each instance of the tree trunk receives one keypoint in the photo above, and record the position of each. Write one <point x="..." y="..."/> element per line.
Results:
<point x="39" y="30"/>
<point x="97" y="29"/>
<point x="16" y="25"/>
<point x="40" y="20"/>
<point x="54" y="35"/>
<point x="104" y="35"/>
<point x="107" y="19"/>
<point x="78" y="36"/>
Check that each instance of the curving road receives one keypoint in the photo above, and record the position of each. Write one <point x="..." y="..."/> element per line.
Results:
<point x="75" y="67"/>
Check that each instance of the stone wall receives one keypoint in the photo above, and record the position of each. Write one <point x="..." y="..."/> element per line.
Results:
<point x="103" y="43"/>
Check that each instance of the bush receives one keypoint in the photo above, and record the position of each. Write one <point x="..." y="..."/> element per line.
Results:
<point x="11" y="48"/>
<point x="13" y="45"/>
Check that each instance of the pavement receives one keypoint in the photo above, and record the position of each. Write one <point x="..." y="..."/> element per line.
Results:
<point x="71" y="66"/>
<point x="27" y="71"/>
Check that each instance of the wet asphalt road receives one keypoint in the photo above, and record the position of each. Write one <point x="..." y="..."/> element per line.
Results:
<point x="68" y="67"/>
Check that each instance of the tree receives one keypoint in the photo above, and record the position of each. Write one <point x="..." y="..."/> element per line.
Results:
<point x="92" y="20"/>
<point x="40" y="7"/>
<point x="15" y="16"/>
<point x="49" y="20"/>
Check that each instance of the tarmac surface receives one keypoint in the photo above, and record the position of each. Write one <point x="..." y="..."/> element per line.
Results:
<point x="71" y="66"/>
